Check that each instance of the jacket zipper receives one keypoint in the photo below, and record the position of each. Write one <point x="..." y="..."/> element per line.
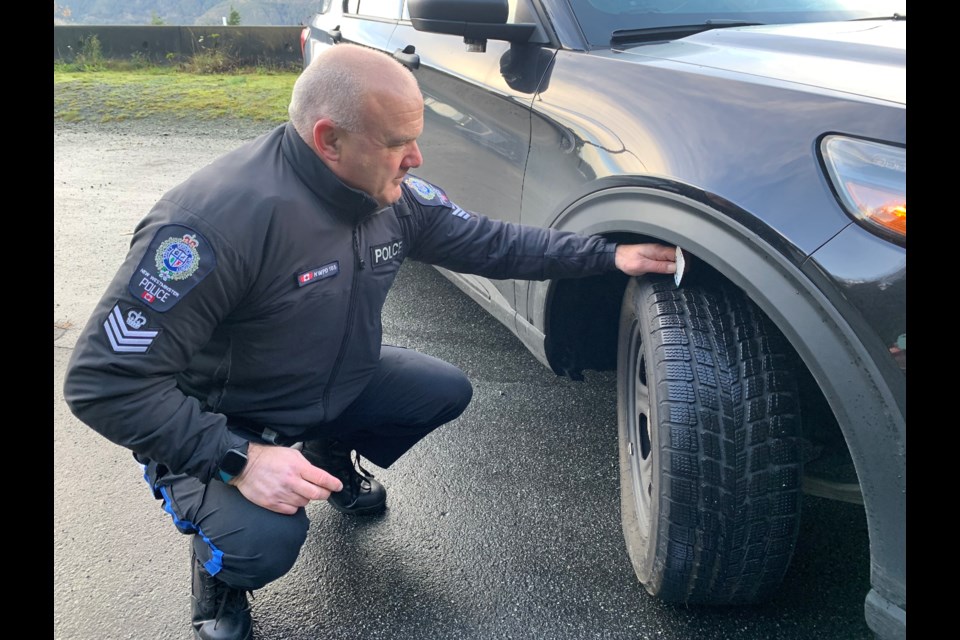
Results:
<point x="354" y="284"/>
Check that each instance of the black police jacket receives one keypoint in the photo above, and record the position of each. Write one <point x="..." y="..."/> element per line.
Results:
<point x="253" y="291"/>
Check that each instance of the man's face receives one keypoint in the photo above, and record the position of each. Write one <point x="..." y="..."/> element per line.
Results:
<point x="377" y="159"/>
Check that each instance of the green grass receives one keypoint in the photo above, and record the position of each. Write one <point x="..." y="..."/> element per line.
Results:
<point x="117" y="92"/>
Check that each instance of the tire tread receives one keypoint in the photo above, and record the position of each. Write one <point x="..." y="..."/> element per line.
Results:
<point x="730" y="475"/>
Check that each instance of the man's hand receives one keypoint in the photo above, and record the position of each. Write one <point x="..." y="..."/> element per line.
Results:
<point x="281" y="479"/>
<point x="638" y="259"/>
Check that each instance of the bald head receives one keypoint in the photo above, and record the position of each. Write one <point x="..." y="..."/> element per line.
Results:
<point x="342" y="83"/>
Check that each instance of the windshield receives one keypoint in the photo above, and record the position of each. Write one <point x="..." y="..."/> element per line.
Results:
<point x="599" y="19"/>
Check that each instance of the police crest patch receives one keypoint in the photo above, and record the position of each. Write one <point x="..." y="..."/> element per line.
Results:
<point x="428" y="194"/>
<point x="176" y="260"/>
<point x="425" y="193"/>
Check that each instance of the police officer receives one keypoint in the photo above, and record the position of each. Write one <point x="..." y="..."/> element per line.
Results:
<point x="237" y="352"/>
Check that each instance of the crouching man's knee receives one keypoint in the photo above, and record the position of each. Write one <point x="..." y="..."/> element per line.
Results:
<point x="255" y="555"/>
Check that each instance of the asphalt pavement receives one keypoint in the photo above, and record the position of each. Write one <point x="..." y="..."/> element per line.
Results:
<point x="503" y="524"/>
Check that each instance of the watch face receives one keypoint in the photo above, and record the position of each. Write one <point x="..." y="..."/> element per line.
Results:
<point x="233" y="462"/>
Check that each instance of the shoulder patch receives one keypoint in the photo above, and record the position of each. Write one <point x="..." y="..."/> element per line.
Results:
<point x="426" y="193"/>
<point x="433" y="196"/>
<point x="176" y="260"/>
<point x="128" y="329"/>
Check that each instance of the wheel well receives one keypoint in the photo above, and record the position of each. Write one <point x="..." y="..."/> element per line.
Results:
<point x="582" y="324"/>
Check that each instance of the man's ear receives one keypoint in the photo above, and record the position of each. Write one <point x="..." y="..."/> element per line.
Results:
<point x="326" y="139"/>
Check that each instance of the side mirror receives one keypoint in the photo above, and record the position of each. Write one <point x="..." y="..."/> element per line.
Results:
<point x="476" y="20"/>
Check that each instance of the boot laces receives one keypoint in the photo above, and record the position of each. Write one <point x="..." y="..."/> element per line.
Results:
<point x="341" y="462"/>
<point x="360" y="469"/>
<point x="358" y="476"/>
<point x="231" y="601"/>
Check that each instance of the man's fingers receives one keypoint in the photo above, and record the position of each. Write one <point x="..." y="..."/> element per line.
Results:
<point x="284" y="508"/>
<point x="282" y="480"/>
<point x="659" y="251"/>
<point x="310" y="492"/>
<point x="660" y="266"/>
<point x="320" y="478"/>
<point x="637" y="259"/>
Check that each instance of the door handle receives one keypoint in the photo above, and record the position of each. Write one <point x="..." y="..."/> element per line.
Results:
<point x="408" y="57"/>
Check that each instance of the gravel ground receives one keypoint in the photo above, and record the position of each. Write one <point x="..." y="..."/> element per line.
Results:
<point x="165" y="126"/>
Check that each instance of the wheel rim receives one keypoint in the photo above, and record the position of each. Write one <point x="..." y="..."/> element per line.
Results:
<point x="638" y="431"/>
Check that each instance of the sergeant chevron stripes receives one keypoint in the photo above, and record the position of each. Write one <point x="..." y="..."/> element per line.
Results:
<point x="122" y="338"/>
<point x="460" y="213"/>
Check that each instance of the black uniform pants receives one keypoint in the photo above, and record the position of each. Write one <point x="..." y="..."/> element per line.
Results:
<point x="248" y="546"/>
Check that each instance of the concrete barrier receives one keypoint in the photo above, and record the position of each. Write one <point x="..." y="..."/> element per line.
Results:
<point x="249" y="45"/>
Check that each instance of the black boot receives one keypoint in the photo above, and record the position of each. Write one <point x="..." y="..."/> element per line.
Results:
<point x="361" y="494"/>
<point x="219" y="611"/>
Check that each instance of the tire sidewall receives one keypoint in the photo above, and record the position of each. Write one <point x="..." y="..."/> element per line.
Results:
<point x="641" y="534"/>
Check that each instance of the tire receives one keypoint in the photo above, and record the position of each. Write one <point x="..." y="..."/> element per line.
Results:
<point x="710" y="454"/>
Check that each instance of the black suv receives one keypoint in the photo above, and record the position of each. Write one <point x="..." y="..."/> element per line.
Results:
<point x="767" y="139"/>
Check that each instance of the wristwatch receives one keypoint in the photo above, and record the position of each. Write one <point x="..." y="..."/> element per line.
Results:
<point x="232" y="463"/>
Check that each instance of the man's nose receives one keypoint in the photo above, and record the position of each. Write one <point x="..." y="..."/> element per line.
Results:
<point x="414" y="158"/>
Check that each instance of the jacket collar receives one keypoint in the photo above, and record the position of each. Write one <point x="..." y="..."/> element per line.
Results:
<point x="345" y="202"/>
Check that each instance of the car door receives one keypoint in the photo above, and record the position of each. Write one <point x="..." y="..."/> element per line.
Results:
<point x="364" y="22"/>
<point x="476" y="134"/>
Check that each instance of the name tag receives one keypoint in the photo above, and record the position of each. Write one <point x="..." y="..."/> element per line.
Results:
<point x="320" y="273"/>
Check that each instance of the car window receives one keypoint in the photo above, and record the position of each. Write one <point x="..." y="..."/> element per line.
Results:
<point x="389" y="9"/>
<point x="599" y="19"/>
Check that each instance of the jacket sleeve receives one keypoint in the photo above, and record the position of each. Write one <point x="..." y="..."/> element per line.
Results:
<point x="445" y="235"/>
<point x="177" y="283"/>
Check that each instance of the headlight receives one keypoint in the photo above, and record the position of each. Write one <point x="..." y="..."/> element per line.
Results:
<point x="870" y="179"/>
